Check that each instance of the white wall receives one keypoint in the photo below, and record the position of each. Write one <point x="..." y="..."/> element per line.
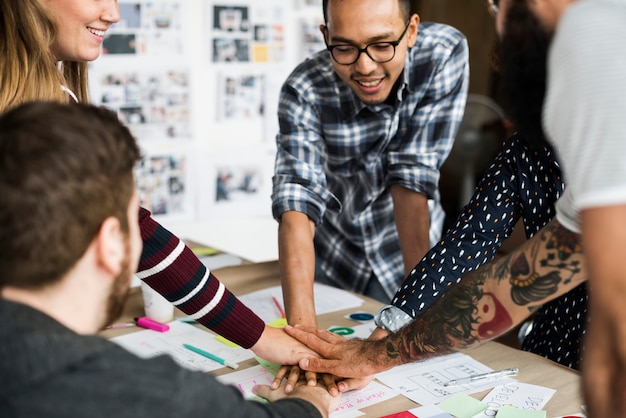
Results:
<point x="160" y="61"/>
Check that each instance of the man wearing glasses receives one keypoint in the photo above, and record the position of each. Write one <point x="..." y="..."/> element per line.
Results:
<point x="364" y="128"/>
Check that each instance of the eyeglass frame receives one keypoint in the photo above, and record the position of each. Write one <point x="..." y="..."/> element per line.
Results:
<point x="394" y="44"/>
<point x="493" y="6"/>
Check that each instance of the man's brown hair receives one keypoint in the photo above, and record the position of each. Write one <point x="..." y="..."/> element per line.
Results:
<point x="63" y="170"/>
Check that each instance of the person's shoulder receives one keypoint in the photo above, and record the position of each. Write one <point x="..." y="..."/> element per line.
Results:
<point x="313" y="71"/>
<point x="598" y="19"/>
<point x="440" y="33"/>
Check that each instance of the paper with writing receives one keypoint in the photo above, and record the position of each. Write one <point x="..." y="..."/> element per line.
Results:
<point x="149" y="343"/>
<point x="423" y="382"/>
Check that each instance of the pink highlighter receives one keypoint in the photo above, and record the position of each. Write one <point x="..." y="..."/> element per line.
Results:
<point x="149" y="323"/>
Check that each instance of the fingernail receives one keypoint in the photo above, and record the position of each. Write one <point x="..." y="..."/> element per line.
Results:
<point x="341" y="387"/>
<point x="288" y="387"/>
<point x="304" y="363"/>
<point x="334" y="392"/>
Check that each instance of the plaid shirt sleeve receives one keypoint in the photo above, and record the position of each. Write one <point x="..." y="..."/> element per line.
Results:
<point x="299" y="181"/>
<point x="434" y="111"/>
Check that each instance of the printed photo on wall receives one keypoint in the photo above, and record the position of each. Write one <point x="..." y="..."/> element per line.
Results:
<point x="230" y="18"/>
<point x="162" y="185"/>
<point x="238" y="182"/>
<point x="146" y="28"/>
<point x="241" y="96"/>
<point x="231" y="50"/>
<point x="154" y="105"/>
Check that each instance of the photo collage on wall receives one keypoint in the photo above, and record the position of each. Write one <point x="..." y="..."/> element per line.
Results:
<point x="197" y="83"/>
<point x="252" y="33"/>
<point x="143" y="75"/>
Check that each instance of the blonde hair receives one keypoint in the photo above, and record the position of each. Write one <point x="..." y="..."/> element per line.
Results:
<point x="28" y="69"/>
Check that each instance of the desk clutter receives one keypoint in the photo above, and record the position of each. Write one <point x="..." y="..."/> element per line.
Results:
<point x="442" y="385"/>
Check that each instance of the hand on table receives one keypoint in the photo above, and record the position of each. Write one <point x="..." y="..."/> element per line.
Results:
<point x="341" y="357"/>
<point x="276" y="346"/>
<point x="317" y="395"/>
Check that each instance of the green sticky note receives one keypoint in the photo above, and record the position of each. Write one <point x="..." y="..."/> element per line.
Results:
<point x="462" y="406"/>
<point x="508" y="411"/>
<point x="268" y="365"/>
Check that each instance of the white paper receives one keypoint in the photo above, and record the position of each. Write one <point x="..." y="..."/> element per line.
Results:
<point x="350" y="402"/>
<point x="149" y="343"/>
<point x="517" y="394"/>
<point x="429" y="411"/>
<point x="327" y="299"/>
<point x="246" y="379"/>
<point x="423" y="382"/>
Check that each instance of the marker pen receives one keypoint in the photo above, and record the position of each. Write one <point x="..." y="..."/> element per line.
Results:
<point x="149" y="323"/>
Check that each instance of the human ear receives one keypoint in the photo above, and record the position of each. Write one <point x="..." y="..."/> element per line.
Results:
<point x="324" y="31"/>
<point x="110" y="245"/>
<point x="413" y="30"/>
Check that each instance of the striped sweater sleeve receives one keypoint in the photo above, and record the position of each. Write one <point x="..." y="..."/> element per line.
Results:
<point x="172" y="269"/>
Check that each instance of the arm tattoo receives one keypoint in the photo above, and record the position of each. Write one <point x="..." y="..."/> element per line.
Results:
<point x="542" y="269"/>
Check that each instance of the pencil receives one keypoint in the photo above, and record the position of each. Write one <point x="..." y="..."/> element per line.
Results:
<point x="279" y="306"/>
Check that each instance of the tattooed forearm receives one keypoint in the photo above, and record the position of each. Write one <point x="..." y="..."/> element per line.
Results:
<point x="491" y="300"/>
<point x="554" y="261"/>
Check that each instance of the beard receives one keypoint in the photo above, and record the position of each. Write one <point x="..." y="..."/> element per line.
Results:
<point x="522" y="54"/>
<point x="120" y="287"/>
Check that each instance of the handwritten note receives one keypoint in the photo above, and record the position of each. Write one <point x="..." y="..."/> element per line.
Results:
<point x="423" y="382"/>
<point x="520" y="395"/>
<point x="357" y="399"/>
<point x="150" y="343"/>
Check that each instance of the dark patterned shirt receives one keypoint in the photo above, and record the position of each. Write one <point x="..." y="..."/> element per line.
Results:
<point x="521" y="183"/>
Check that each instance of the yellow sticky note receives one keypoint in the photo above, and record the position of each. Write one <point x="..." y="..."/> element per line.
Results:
<point x="205" y="251"/>
<point x="226" y="341"/>
<point x="508" y="411"/>
<point x="278" y="323"/>
<point x="462" y="406"/>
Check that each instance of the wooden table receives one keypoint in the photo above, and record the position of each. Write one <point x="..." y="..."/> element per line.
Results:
<point x="533" y="369"/>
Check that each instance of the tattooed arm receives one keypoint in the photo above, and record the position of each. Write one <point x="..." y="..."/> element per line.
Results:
<point x="484" y="305"/>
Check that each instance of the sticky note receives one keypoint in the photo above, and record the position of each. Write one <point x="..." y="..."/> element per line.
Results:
<point x="508" y="411"/>
<point x="205" y="251"/>
<point x="462" y="406"/>
<point x="226" y="341"/>
<point x="278" y="323"/>
<point x="268" y="365"/>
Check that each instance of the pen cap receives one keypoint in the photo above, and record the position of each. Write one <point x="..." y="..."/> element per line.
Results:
<point x="150" y="323"/>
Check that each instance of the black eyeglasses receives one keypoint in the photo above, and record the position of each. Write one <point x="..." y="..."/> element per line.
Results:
<point x="493" y="6"/>
<point x="379" y="52"/>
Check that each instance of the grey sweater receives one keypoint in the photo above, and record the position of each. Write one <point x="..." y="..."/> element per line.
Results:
<point x="49" y="370"/>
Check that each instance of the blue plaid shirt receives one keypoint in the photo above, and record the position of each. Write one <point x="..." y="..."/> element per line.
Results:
<point x="337" y="157"/>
